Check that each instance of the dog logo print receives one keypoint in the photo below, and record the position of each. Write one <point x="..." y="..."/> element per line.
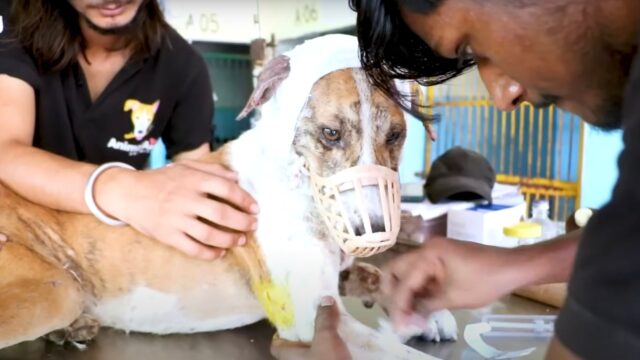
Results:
<point x="142" y="116"/>
<point x="1" y="24"/>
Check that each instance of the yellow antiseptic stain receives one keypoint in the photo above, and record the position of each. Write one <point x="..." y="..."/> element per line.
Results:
<point x="277" y="303"/>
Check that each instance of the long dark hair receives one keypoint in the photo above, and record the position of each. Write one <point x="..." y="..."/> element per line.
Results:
<point x="49" y="30"/>
<point x="390" y="50"/>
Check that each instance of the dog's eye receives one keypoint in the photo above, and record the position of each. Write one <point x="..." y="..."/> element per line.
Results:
<point x="394" y="137"/>
<point x="331" y="135"/>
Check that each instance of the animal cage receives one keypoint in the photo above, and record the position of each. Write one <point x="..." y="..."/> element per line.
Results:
<point x="538" y="149"/>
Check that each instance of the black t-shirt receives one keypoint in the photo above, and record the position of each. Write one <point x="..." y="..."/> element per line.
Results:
<point x="167" y="95"/>
<point x="601" y="318"/>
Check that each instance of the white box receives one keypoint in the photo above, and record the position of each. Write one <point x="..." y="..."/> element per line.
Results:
<point x="484" y="224"/>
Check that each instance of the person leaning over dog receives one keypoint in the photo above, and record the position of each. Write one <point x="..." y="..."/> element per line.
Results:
<point x="91" y="82"/>
<point x="577" y="54"/>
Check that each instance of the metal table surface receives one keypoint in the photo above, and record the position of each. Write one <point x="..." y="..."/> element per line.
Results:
<point x="252" y="342"/>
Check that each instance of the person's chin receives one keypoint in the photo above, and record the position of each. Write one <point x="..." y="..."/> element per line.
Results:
<point x="110" y="23"/>
<point x="605" y="118"/>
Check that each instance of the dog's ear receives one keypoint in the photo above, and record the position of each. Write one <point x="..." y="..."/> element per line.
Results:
<point x="273" y="74"/>
<point x="155" y="106"/>
<point x="131" y="105"/>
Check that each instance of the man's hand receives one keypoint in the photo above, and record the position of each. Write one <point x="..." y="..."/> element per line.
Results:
<point x="445" y="274"/>
<point x="326" y="343"/>
<point x="195" y="207"/>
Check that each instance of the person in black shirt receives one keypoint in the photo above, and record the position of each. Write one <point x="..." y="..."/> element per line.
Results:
<point x="87" y="88"/>
<point x="576" y="54"/>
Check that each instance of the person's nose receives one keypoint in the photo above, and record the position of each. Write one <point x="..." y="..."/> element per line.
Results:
<point x="506" y="93"/>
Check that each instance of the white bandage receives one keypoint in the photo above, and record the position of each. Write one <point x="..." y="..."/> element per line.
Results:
<point x="88" y="193"/>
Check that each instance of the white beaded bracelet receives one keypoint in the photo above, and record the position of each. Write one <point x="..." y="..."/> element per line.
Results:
<point x="88" y="193"/>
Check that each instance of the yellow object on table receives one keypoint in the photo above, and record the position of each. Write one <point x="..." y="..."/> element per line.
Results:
<point x="523" y="233"/>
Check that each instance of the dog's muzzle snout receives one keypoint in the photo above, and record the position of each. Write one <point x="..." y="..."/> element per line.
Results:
<point x="366" y="230"/>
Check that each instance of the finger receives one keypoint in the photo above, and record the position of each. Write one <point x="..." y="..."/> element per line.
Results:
<point x="212" y="169"/>
<point x="326" y="331"/>
<point x="224" y="215"/>
<point x="405" y="293"/>
<point x="327" y="316"/>
<point x="230" y="192"/>
<point x="211" y="236"/>
<point x="397" y="269"/>
<point x="193" y="248"/>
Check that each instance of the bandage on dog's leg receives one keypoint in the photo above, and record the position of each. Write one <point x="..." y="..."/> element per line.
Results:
<point x="37" y="297"/>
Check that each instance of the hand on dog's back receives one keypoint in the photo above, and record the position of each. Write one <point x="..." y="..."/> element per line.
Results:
<point x="195" y="207"/>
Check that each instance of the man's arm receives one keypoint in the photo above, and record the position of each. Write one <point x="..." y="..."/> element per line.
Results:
<point x="449" y="274"/>
<point x="39" y="176"/>
<point x="547" y="262"/>
<point x="164" y="204"/>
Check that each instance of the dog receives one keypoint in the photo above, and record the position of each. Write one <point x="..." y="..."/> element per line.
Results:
<point x="64" y="275"/>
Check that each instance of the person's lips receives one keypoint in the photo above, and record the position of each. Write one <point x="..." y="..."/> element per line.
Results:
<point x="112" y="9"/>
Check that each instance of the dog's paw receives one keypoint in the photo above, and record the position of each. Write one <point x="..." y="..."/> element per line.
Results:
<point x="441" y="326"/>
<point x="82" y="330"/>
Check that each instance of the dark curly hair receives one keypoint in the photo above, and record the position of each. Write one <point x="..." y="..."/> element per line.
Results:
<point x="390" y="50"/>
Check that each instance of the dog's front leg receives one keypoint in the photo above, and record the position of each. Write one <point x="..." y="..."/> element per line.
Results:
<point x="365" y="343"/>
<point x="362" y="281"/>
<point x="309" y="273"/>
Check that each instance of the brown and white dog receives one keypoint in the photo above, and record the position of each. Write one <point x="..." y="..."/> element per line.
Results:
<point x="62" y="272"/>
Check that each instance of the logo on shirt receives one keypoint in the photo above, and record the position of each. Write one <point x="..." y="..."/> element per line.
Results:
<point x="142" y="116"/>
<point x="1" y="24"/>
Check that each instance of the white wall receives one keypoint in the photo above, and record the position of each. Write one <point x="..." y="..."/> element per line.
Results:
<point x="240" y="21"/>
<point x="214" y="20"/>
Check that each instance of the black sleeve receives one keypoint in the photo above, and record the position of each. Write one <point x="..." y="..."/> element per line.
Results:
<point x="190" y="125"/>
<point x="14" y="61"/>
<point x="601" y="318"/>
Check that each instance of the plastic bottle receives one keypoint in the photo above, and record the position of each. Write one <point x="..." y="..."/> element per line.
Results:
<point x="540" y="215"/>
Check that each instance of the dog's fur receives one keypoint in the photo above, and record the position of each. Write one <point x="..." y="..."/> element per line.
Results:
<point x="61" y="269"/>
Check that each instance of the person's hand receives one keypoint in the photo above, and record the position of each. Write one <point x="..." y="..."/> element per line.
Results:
<point x="195" y="207"/>
<point x="445" y="274"/>
<point x="326" y="343"/>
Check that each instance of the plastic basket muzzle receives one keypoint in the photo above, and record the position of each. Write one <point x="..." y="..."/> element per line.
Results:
<point x="329" y="197"/>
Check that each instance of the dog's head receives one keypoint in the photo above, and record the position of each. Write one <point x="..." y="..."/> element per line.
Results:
<point x="347" y="123"/>
<point x="346" y="129"/>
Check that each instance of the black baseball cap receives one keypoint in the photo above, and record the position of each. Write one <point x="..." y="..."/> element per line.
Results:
<point x="460" y="174"/>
